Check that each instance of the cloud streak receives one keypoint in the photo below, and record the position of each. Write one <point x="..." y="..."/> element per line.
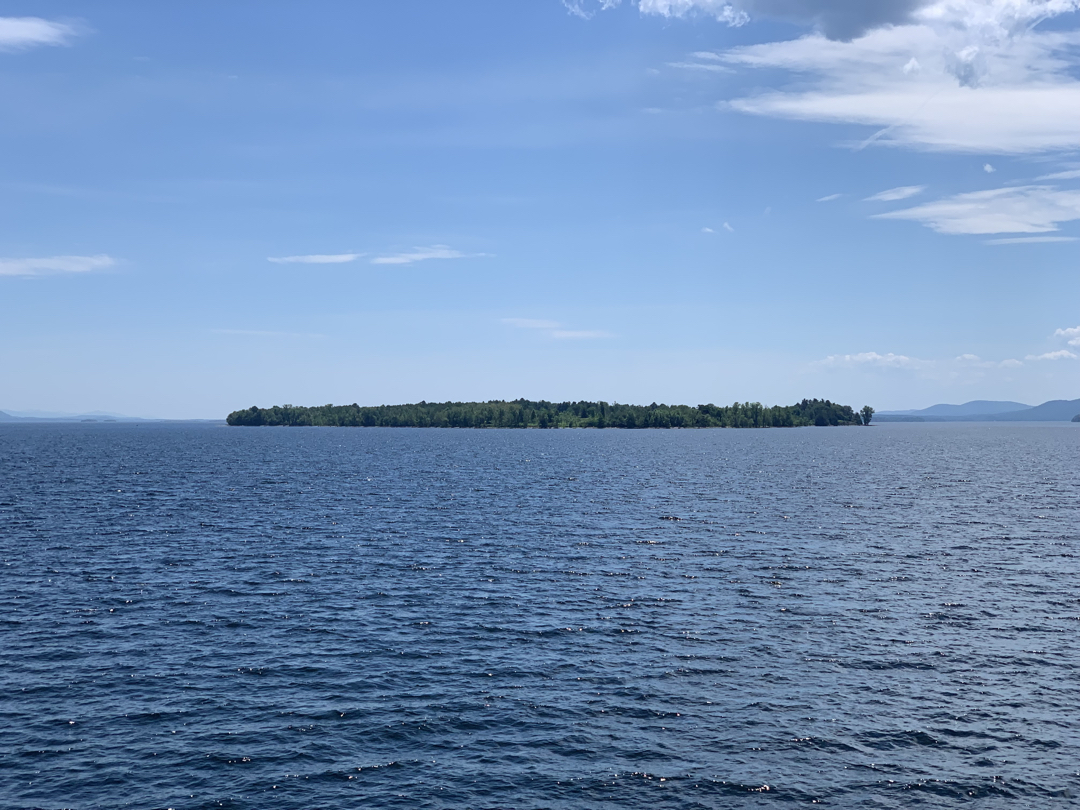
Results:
<point x="1027" y="240"/>
<point x="893" y="194"/>
<point x="20" y="33"/>
<point x="1072" y="174"/>
<point x="1023" y="209"/>
<point x="316" y="258"/>
<point x="265" y="333"/>
<point x="1060" y="354"/>
<point x="421" y="254"/>
<point x="54" y="265"/>
<point x="554" y="329"/>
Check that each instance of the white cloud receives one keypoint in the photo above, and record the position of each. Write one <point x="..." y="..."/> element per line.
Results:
<point x="722" y="11"/>
<point x="977" y="362"/>
<point x="708" y="67"/>
<point x="893" y="194"/>
<point x="316" y="258"/>
<point x="961" y="366"/>
<point x="988" y="80"/>
<point x="580" y="8"/>
<point x="420" y="254"/>
<point x="728" y="228"/>
<point x="1024" y="209"/>
<point x="1072" y="333"/>
<point x="838" y="19"/>
<point x="579" y="334"/>
<point x="17" y="33"/>
<point x="707" y="230"/>
<point x="1027" y="240"/>
<point x="1072" y="174"/>
<point x="1060" y="354"/>
<point x="988" y="168"/>
<point x="829" y="197"/>
<point x="531" y="323"/>
<point x="54" y="264"/>
<point x="873" y="359"/>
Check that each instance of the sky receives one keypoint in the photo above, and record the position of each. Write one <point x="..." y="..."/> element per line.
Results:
<point x="207" y="206"/>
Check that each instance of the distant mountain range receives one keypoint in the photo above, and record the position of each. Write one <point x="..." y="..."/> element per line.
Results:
<point x="44" y="416"/>
<point x="980" y="410"/>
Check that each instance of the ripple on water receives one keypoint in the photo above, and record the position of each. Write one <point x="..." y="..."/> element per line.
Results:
<point x="193" y="616"/>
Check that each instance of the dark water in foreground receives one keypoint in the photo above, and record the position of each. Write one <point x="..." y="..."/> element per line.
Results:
<point x="196" y="616"/>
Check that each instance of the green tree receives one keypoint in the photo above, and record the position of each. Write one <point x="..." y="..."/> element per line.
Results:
<point x="867" y="414"/>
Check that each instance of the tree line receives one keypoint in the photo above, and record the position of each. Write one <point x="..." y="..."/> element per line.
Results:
<point x="524" y="413"/>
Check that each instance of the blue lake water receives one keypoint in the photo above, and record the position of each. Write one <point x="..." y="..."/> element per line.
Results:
<point x="194" y="616"/>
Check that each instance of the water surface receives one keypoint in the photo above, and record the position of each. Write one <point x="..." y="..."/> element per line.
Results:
<point x="194" y="616"/>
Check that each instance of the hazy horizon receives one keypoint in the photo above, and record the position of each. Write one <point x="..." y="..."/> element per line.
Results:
<point x="128" y="416"/>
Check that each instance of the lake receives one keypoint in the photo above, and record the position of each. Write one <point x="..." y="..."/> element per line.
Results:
<point x="195" y="616"/>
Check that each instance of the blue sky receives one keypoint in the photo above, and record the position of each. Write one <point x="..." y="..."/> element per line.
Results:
<point x="210" y="205"/>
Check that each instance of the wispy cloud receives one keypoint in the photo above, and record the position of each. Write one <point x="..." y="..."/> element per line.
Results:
<point x="1023" y="209"/>
<point x="1060" y="354"/>
<point x="17" y="33"/>
<point x="988" y="81"/>
<point x="829" y="197"/>
<point x="1071" y="174"/>
<point x="893" y="194"/>
<point x="978" y="362"/>
<point x="873" y="359"/>
<point x="554" y="329"/>
<point x="728" y="228"/>
<point x="266" y="333"/>
<point x="581" y="8"/>
<point x="52" y="265"/>
<point x="531" y="323"/>
<point x="316" y="258"/>
<point x="708" y="67"/>
<point x="707" y="230"/>
<point x="837" y="19"/>
<point x="1026" y="240"/>
<point x="579" y="334"/>
<point x="988" y="168"/>
<point x="421" y="254"/>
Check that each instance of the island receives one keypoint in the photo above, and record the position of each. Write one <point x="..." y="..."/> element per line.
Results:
<point x="524" y="413"/>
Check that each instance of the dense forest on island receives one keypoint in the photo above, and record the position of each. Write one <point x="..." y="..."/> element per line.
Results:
<point x="523" y="413"/>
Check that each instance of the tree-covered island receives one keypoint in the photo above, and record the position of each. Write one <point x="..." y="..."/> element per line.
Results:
<point x="523" y="413"/>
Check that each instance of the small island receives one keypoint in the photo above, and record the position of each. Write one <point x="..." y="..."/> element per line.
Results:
<point x="523" y="413"/>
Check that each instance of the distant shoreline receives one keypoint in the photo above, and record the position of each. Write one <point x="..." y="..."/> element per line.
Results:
<point x="541" y="414"/>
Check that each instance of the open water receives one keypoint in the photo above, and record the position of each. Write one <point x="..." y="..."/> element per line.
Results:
<point x="194" y="616"/>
